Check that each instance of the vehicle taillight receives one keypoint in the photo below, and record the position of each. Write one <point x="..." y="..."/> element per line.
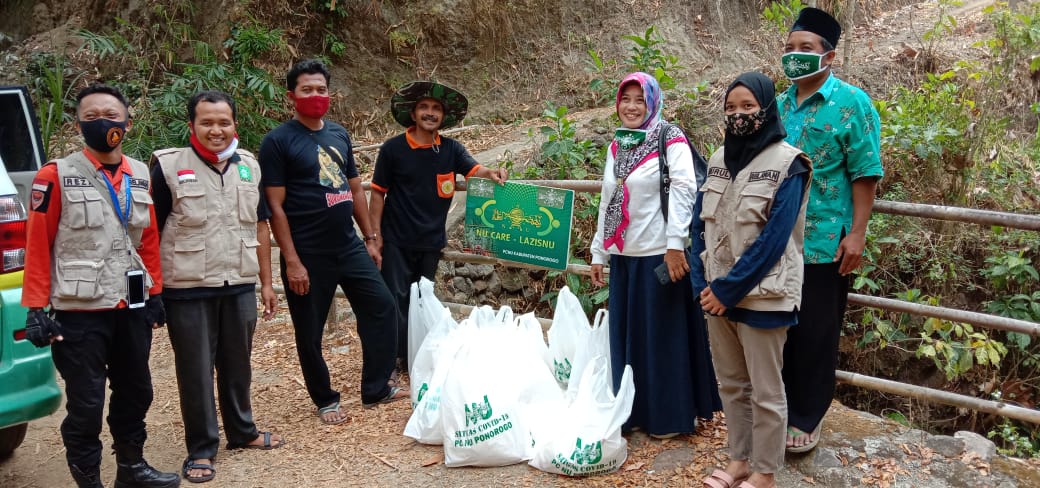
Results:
<point x="12" y="233"/>
<point x="19" y="335"/>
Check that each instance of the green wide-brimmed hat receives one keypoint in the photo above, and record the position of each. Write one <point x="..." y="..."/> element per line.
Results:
<point x="404" y="99"/>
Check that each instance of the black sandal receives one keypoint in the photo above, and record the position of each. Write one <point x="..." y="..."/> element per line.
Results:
<point x="266" y="446"/>
<point x="190" y="464"/>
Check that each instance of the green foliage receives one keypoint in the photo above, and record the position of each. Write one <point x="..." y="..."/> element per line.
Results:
<point x="780" y="15"/>
<point x="605" y="81"/>
<point x="51" y="81"/>
<point x="1016" y="286"/>
<point x="333" y="45"/>
<point x="954" y="347"/>
<point x="163" y="119"/>
<point x="250" y="42"/>
<point x="1011" y="271"/>
<point x="336" y="7"/>
<point x="563" y="156"/>
<point x="648" y="57"/>
<point x="944" y="24"/>
<point x="160" y="107"/>
<point x="924" y="131"/>
<point x="580" y="286"/>
<point x="899" y="418"/>
<point x="1012" y="440"/>
<point x="104" y="46"/>
<point x="401" y="39"/>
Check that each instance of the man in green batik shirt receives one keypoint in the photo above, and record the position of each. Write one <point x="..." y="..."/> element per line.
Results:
<point x="836" y="125"/>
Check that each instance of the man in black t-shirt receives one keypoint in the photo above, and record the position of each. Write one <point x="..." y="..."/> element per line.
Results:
<point x="313" y="190"/>
<point x="413" y="186"/>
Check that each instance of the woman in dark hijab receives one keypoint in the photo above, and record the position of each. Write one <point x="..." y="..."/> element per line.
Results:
<point x="746" y="270"/>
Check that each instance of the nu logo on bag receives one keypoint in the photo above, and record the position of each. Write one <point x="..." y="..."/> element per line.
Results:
<point x="587" y="454"/>
<point x="475" y="412"/>
<point x="562" y="370"/>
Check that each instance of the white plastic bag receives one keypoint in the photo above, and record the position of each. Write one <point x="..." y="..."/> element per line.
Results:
<point x="569" y="324"/>
<point x="585" y="438"/>
<point x="495" y="378"/>
<point x="593" y="341"/>
<point x="425" y="312"/>
<point x="430" y="370"/>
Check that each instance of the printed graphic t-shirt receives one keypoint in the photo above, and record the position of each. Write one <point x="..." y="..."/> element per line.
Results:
<point x="313" y="167"/>
<point x="419" y="183"/>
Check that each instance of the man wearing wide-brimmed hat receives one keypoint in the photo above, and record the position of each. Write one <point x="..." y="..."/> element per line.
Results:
<point x="413" y="186"/>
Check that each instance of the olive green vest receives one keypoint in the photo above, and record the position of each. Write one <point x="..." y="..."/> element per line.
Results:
<point x="735" y="212"/>
<point x="210" y="235"/>
<point x="92" y="251"/>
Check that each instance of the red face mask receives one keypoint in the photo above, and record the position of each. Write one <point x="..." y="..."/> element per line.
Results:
<point x="314" y="106"/>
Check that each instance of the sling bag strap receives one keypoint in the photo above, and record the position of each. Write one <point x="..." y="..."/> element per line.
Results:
<point x="700" y="166"/>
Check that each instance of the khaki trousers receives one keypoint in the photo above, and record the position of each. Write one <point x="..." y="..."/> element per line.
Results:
<point x="748" y="362"/>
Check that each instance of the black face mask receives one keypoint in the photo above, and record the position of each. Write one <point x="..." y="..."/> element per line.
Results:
<point x="743" y="125"/>
<point x="103" y="135"/>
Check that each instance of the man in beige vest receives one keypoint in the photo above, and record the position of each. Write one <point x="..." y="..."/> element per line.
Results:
<point x="92" y="255"/>
<point x="215" y="243"/>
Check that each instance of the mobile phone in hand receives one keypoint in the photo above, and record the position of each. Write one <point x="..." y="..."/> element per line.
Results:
<point x="663" y="276"/>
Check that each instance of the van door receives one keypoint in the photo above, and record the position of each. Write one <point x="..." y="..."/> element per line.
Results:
<point x="21" y="147"/>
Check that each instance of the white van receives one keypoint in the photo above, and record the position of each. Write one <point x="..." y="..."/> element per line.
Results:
<point x="28" y="389"/>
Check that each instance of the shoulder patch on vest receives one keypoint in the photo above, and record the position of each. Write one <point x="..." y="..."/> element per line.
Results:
<point x="771" y="175"/>
<point x="40" y="196"/>
<point x="186" y="176"/>
<point x="718" y="172"/>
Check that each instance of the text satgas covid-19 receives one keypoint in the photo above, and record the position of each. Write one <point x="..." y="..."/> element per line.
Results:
<point x="570" y="469"/>
<point x="483" y="432"/>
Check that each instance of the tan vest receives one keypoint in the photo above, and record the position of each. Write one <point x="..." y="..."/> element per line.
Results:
<point x="92" y="252"/>
<point x="734" y="214"/>
<point x="210" y="235"/>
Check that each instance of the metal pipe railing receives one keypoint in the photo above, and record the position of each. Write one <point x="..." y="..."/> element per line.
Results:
<point x="935" y="212"/>
<point x="951" y="314"/>
<point x="939" y="396"/>
<point x="959" y="214"/>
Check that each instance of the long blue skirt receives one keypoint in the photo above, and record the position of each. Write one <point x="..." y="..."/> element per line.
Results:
<point x="660" y="331"/>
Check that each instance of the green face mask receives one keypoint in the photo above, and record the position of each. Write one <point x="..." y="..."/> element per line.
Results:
<point x="802" y="65"/>
<point x="629" y="138"/>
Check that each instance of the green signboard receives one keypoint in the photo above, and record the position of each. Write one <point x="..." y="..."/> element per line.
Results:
<point x="518" y="222"/>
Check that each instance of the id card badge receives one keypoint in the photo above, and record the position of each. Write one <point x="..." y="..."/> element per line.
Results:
<point x="135" y="288"/>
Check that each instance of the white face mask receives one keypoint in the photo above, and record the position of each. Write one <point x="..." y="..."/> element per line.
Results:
<point x="798" y="65"/>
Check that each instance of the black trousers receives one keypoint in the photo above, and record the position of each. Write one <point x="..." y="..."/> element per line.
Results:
<point x="354" y="271"/>
<point x="811" y="351"/>
<point x="207" y="334"/>
<point x="112" y="344"/>
<point x="401" y="268"/>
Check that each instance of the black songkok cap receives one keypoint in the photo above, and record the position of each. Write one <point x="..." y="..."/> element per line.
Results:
<point x="818" y="22"/>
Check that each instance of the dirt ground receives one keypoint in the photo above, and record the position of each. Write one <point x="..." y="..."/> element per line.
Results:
<point x="368" y="450"/>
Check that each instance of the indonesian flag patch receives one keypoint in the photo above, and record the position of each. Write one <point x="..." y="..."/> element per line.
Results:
<point x="186" y="176"/>
<point x="40" y="195"/>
